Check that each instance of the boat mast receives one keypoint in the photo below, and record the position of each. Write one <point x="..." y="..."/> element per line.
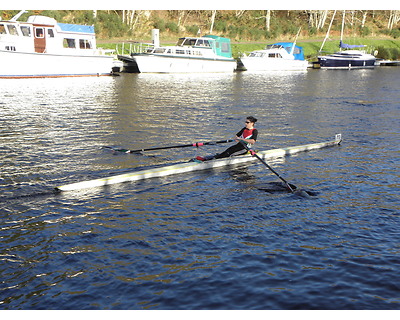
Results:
<point x="341" y="32"/>
<point x="327" y="33"/>
<point x="295" y="40"/>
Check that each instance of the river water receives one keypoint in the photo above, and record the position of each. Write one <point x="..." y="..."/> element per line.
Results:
<point x="227" y="238"/>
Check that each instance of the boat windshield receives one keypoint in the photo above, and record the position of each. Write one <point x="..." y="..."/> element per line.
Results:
<point x="256" y="54"/>
<point x="186" y="42"/>
<point x="274" y="46"/>
<point x="193" y="42"/>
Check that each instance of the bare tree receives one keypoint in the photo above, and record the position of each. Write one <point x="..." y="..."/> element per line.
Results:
<point x="394" y="18"/>
<point x="239" y="13"/>
<point x="317" y="18"/>
<point x="364" y="18"/>
<point x="267" y="18"/>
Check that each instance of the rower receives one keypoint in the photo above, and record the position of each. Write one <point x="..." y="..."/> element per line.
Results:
<point x="248" y="134"/>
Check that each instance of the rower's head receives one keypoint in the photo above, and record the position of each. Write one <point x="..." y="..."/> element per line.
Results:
<point x="250" y="121"/>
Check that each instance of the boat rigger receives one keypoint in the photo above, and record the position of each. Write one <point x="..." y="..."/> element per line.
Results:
<point x="196" y="166"/>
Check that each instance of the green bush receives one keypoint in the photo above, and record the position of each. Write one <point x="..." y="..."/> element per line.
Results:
<point x="56" y="14"/>
<point x="172" y="26"/>
<point x="290" y="29"/>
<point x="364" y="32"/>
<point x="111" y="24"/>
<point x="159" y="24"/>
<point x="395" y="33"/>
<point x="192" y="29"/>
<point x="312" y="31"/>
<point x="388" y="53"/>
<point x="256" y="34"/>
<point x="220" y="26"/>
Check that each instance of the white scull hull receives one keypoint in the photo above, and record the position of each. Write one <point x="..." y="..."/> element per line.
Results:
<point x="194" y="166"/>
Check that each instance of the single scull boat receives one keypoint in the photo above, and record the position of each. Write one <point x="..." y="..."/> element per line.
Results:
<point x="195" y="166"/>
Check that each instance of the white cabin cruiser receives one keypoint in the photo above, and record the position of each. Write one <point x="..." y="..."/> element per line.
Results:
<point x="41" y="47"/>
<point x="280" y="56"/>
<point x="190" y="55"/>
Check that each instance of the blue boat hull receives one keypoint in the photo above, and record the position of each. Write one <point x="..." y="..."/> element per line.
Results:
<point x="329" y="62"/>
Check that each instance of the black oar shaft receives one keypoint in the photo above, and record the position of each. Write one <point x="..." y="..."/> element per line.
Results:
<point x="254" y="154"/>
<point x="196" y="144"/>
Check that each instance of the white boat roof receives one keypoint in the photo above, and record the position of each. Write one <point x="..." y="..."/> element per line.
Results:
<point x="42" y="20"/>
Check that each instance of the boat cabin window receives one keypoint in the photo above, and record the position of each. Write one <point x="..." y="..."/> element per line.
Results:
<point x="12" y="30"/>
<point x="189" y="42"/>
<point x="69" y="43"/>
<point x="26" y="31"/>
<point x="2" y="29"/>
<point x="256" y="54"/>
<point x="50" y="33"/>
<point x="225" y="47"/>
<point x="159" y="50"/>
<point x="206" y="43"/>
<point x="273" y="46"/>
<point x="84" y="44"/>
<point x="186" y="42"/>
<point x="274" y="55"/>
<point x="39" y="33"/>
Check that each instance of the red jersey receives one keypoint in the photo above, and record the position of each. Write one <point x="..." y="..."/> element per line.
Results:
<point x="248" y="133"/>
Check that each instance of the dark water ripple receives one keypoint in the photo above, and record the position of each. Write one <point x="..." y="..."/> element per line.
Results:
<point x="228" y="238"/>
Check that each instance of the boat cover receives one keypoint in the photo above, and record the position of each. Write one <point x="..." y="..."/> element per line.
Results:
<point x="76" y="28"/>
<point x="298" y="51"/>
<point x="350" y="46"/>
<point x="222" y="46"/>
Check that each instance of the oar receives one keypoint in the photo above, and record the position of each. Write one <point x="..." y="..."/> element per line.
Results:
<point x="196" y="144"/>
<point x="291" y="187"/>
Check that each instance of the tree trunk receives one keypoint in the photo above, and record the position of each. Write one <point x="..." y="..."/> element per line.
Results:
<point x="268" y="20"/>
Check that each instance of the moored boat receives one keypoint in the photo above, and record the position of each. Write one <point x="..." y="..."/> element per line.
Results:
<point x="42" y="47"/>
<point x="190" y="55"/>
<point x="195" y="166"/>
<point x="348" y="59"/>
<point x="280" y="56"/>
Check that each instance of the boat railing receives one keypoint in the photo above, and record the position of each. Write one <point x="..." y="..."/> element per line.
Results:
<point x="133" y="47"/>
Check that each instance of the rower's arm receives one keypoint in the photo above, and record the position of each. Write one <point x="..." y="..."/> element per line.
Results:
<point x="251" y="141"/>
